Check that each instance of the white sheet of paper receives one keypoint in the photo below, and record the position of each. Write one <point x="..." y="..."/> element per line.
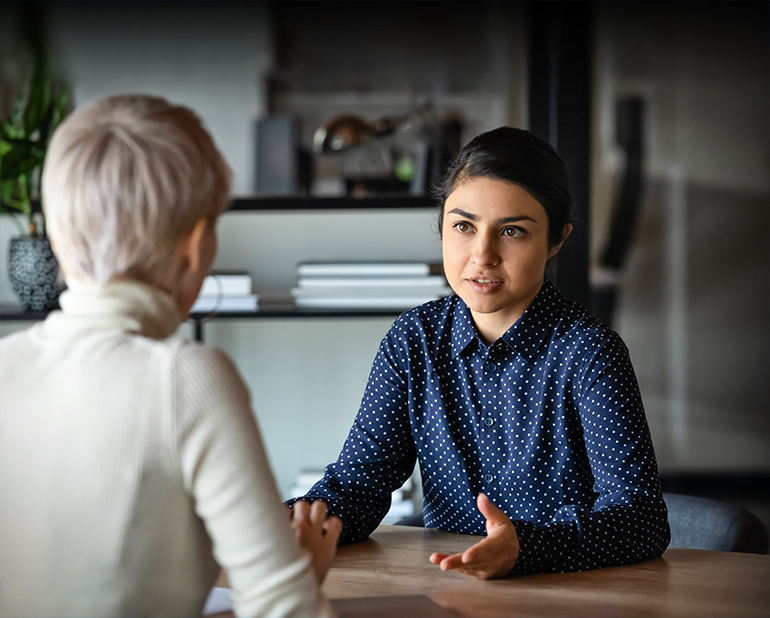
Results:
<point x="217" y="602"/>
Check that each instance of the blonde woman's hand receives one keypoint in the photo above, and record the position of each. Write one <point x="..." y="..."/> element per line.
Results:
<point x="316" y="533"/>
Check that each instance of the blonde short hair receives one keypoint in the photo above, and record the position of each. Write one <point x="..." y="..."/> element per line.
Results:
<point x="124" y="178"/>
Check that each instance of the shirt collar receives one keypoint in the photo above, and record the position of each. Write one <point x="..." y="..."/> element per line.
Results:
<point x="463" y="329"/>
<point x="528" y="332"/>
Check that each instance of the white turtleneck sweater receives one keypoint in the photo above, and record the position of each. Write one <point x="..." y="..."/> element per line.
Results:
<point x="130" y="465"/>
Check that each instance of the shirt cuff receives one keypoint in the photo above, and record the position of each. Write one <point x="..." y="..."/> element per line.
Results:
<point x="543" y="548"/>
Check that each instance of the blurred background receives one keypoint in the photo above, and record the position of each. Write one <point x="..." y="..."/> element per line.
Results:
<point x="661" y="111"/>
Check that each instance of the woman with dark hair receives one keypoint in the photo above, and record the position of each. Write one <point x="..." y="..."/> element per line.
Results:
<point x="523" y="410"/>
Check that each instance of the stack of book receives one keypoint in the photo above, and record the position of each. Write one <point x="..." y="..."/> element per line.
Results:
<point x="226" y="291"/>
<point x="368" y="285"/>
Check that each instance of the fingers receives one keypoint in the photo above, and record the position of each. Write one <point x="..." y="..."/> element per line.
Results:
<point x="490" y="512"/>
<point x="333" y="528"/>
<point x="437" y="558"/>
<point x="493" y="556"/>
<point x="447" y="562"/>
<point x="313" y="515"/>
<point x="318" y="512"/>
<point x="300" y="509"/>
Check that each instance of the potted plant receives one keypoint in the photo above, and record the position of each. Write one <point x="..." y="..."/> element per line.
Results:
<point x="32" y="267"/>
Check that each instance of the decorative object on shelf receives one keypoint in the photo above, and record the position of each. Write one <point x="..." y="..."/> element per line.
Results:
<point x="38" y="110"/>
<point x="33" y="271"/>
<point x="403" y="153"/>
<point x="284" y="166"/>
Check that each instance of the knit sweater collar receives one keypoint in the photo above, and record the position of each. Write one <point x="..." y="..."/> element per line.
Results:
<point x="123" y="305"/>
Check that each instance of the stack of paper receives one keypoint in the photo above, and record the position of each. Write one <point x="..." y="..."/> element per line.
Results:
<point x="226" y="291"/>
<point x="378" y="285"/>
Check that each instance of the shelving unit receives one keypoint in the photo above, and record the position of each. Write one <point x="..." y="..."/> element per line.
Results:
<point x="279" y="310"/>
<point x="13" y="313"/>
<point x="309" y="202"/>
<point x="280" y="203"/>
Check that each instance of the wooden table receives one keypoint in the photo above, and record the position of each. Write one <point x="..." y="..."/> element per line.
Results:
<point x="684" y="582"/>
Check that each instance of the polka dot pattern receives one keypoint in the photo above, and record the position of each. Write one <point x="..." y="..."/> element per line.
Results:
<point x="547" y="421"/>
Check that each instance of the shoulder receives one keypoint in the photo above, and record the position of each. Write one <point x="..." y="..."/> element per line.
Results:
<point x="193" y="354"/>
<point x="14" y="348"/>
<point x="200" y="367"/>
<point x="580" y="331"/>
<point x="15" y="339"/>
<point x="431" y="316"/>
<point x="426" y="324"/>
<point x="417" y="334"/>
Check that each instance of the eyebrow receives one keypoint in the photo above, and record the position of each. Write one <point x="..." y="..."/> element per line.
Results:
<point x="472" y="217"/>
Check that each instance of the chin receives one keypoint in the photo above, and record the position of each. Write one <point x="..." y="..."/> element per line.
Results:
<point x="482" y="306"/>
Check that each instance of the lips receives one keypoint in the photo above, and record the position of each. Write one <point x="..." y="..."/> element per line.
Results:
<point x="483" y="284"/>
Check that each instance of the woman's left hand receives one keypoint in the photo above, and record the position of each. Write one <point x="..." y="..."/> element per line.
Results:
<point x="493" y="556"/>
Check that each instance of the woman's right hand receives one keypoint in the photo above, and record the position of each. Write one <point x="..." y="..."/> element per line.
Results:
<point x="316" y="533"/>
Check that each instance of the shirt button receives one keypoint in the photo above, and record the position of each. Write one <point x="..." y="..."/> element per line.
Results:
<point x="489" y="478"/>
<point x="492" y="367"/>
<point x="489" y="421"/>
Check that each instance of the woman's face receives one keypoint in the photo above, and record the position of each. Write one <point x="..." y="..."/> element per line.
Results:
<point x="495" y="248"/>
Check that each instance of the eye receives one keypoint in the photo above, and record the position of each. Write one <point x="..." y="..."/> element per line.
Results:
<point x="513" y="231"/>
<point x="462" y="226"/>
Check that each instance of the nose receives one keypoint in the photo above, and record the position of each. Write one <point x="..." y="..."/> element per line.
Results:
<point x="485" y="251"/>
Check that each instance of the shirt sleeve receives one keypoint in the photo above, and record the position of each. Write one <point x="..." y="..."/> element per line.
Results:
<point x="226" y="471"/>
<point x="628" y="521"/>
<point x="378" y="455"/>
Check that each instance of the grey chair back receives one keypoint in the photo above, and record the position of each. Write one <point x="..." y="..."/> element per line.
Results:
<point x="703" y="523"/>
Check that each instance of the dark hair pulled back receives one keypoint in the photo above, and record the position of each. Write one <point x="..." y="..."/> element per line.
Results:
<point x="522" y="158"/>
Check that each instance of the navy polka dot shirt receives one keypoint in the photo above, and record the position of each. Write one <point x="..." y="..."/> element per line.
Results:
<point x="547" y="421"/>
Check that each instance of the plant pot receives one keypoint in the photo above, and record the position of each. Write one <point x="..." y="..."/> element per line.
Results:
<point x="34" y="271"/>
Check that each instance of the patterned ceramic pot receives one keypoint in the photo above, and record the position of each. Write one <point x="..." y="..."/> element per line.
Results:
<point x="33" y="271"/>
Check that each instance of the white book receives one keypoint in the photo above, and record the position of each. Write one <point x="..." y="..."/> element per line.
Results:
<point x="429" y="291"/>
<point x="244" y="302"/>
<point x="364" y="269"/>
<point x="228" y="283"/>
<point x="359" y="302"/>
<point x="371" y="282"/>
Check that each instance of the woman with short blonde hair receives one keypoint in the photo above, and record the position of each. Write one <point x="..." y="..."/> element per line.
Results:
<point x="124" y="179"/>
<point x="131" y="466"/>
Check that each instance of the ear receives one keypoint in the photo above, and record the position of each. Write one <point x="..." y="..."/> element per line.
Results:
<point x="555" y="249"/>
<point x="191" y="246"/>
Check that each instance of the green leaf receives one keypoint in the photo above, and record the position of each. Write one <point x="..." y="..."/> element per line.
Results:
<point x="17" y="113"/>
<point x="38" y="101"/>
<point x="14" y="196"/>
<point x="21" y="159"/>
<point x="60" y="108"/>
<point x="8" y="131"/>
